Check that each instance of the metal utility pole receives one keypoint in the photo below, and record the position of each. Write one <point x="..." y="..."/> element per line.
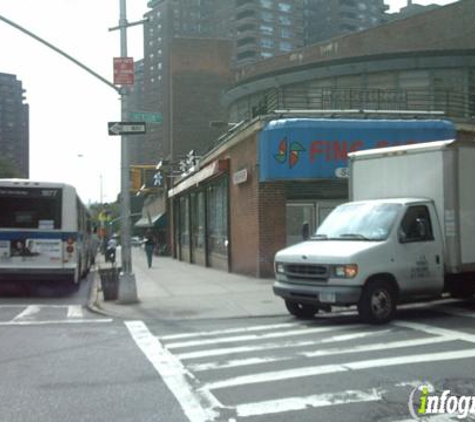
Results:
<point x="127" y="284"/>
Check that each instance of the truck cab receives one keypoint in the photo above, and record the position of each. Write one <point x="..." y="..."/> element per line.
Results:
<point x="371" y="253"/>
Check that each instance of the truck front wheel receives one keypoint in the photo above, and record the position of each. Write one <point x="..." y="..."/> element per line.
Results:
<point x="301" y="310"/>
<point x="377" y="304"/>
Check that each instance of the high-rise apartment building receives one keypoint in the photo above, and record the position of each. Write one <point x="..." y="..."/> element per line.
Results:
<point x="412" y="9"/>
<point x="325" y="19"/>
<point x="267" y="28"/>
<point x="166" y="21"/>
<point x="14" y="125"/>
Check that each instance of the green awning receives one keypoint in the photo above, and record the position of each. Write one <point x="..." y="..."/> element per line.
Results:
<point x="157" y="221"/>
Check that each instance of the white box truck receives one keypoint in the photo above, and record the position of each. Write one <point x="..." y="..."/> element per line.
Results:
<point x="407" y="235"/>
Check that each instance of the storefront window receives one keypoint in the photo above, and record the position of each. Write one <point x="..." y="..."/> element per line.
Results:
<point x="184" y="223"/>
<point x="198" y="220"/>
<point x="218" y="217"/>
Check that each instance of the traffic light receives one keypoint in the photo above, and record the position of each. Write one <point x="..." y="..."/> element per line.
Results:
<point x="135" y="179"/>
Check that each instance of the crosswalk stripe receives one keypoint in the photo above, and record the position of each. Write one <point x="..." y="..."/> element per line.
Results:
<point x="300" y="403"/>
<point x="58" y="321"/>
<point x="228" y="331"/>
<point x="269" y="346"/>
<point x="75" y="311"/>
<point x="429" y="329"/>
<point x="254" y="337"/>
<point x="35" y="315"/>
<point x="198" y="406"/>
<point x="325" y="352"/>
<point x="27" y="314"/>
<point x="331" y="369"/>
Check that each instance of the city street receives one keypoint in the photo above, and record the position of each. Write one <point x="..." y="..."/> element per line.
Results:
<point x="61" y="362"/>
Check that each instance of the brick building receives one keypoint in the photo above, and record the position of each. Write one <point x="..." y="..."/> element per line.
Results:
<point x="254" y="190"/>
<point x="240" y="207"/>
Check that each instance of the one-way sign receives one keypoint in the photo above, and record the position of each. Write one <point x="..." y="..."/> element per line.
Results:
<point x="126" y="128"/>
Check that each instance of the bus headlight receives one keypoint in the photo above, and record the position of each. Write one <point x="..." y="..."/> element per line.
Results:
<point x="345" y="271"/>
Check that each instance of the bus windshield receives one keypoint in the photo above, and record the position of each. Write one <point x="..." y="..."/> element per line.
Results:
<point x="30" y="208"/>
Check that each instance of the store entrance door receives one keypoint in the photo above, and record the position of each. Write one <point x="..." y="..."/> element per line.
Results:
<point x="313" y="213"/>
<point x="297" y="215"/>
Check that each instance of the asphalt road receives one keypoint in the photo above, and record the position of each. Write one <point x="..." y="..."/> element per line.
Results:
<point x="58" y="362"/>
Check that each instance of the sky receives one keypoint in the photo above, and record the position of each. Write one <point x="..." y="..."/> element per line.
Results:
<point x="69" y="108"/>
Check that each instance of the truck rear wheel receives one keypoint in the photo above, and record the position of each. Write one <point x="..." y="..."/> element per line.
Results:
<point x="301" y="310"/>
<point x="377" y="304"/>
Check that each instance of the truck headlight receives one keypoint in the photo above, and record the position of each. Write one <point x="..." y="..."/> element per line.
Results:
<point x="279" y="268"/>
<point x="346" y="271"/>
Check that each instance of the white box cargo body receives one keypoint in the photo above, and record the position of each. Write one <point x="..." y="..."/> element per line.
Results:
<point x="442" y="171"/>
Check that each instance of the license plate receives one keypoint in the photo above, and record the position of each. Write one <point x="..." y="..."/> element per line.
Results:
<point x="327" y="297"/>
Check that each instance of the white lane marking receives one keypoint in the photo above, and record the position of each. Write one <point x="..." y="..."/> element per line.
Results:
<point x="379" y="346"/>
<point x="41" y="305"/>
<point x="301" y="403"/>
<point x="75" y="311"/>
<point x="344" y="367"/>
<point x="430" y="329"/>
<point x="199" y="406"/>
<point x="28" y="314"/>
<point x="206" y="366"/>
<point x="210" y="366"/>
<point x="59" y="321"/>
<point x="269" y="346"/>
<point x="255" y="337"/>
<point x="228" y="331"/>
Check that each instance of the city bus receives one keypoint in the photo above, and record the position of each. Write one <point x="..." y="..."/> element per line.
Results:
<point x="45" y="232"/>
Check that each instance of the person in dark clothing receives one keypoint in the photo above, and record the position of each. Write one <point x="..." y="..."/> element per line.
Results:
<point x="149" y="247"/>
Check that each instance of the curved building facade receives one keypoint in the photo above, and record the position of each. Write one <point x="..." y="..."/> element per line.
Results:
<point x="424" y="63"/>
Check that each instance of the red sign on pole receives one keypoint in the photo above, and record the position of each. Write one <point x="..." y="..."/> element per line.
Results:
<point x="123" y="71"/>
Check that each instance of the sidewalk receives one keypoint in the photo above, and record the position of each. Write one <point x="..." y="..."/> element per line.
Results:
<point x="173" y="290"/>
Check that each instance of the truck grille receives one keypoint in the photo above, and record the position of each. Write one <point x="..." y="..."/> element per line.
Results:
<point x="310" y="271"/>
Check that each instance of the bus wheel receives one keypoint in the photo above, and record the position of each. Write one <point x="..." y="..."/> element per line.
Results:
<point x="301" y="310"/>
<point x="377" y="304"/>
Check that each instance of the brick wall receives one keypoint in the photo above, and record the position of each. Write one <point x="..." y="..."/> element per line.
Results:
<point x="256" y="213"/>
<point x="272" y="225"/>
<point x="244" y="209"/>
<point x="200" y="71"/>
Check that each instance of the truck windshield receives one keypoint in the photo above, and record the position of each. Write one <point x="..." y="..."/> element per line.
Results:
<point x="359" y="221"/>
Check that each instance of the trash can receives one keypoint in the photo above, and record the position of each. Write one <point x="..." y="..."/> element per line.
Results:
<point x="109" y="282"/>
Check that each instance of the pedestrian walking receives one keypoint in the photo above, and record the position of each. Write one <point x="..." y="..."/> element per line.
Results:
<point x="95" y="243"/>
<point x="149" y="247"/>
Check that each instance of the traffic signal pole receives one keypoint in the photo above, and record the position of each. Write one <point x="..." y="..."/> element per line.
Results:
<point x="127" y="285"/>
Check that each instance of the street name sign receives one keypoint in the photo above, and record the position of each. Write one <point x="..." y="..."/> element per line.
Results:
<point x="146" y="116"/>
<point x="126" y="128"/>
